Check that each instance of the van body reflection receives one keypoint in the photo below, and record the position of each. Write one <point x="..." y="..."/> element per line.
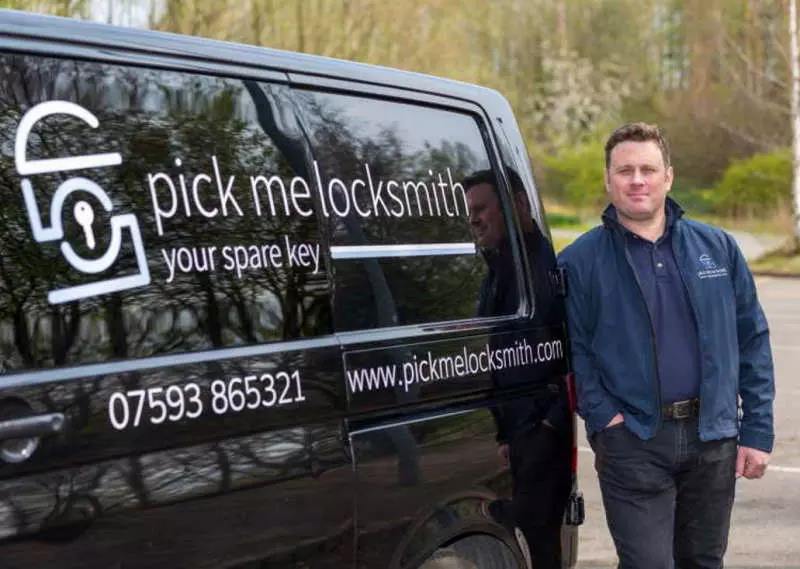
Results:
<point x="533" y="434"/>
<point x="268" y="310"/>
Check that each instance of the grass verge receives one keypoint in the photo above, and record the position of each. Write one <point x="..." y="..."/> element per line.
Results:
<point x="560" y="242"/>
<point x="782" y="261"/>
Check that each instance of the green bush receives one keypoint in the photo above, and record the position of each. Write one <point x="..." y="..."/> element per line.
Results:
<point x="558" y="219"/>
<point x="759" y="185"/>
<point x="574" y="175"/>
<point x="693" y="198"/>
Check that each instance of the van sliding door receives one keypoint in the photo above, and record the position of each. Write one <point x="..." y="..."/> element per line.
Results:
<point x="440" y="356"/>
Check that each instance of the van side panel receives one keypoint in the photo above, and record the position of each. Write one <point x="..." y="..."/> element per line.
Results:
<point x="165" y="291"/>
<point x="280" y="497"/>
<point x="452" y="345"/>
<point x="426" y="482"/>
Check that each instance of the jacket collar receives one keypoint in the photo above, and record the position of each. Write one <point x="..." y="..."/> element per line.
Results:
<point x="611" y="221"/>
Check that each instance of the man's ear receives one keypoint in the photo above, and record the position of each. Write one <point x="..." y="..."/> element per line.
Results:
<point x="668" y="177"/>
<point x="606" y="181"/>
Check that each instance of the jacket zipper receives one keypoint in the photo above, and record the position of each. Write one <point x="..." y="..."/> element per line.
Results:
<point x="652" y="332"/>
<point x="696" y="323"/>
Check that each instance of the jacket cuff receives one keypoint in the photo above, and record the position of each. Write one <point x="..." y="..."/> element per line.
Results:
<point x="600" y="416"/>
<point x="756" y="439"/>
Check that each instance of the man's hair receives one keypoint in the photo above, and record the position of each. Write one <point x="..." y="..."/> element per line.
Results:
<point x="480" y="177"/>
<point x="488" y="177"/>
<point x="638" y="132"/>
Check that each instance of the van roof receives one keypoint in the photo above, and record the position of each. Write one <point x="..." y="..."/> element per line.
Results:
<point x="27" y="27"/>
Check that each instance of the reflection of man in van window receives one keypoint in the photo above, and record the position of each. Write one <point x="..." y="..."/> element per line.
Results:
<point x="485" y="214"/>
<point x="489" y="230"/>
<point x="533" y="433"/>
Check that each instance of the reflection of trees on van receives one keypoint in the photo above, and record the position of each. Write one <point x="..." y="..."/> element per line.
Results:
<point x="350" y="134"/>
<point x="273" y="460"/>
<point x="152" y="118"/>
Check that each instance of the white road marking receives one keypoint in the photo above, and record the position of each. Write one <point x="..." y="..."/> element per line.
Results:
<point x="776" y="468"/>
<point x="791" y="469"/>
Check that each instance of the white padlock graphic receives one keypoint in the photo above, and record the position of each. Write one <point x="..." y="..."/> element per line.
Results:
<point x="83" y="213"/>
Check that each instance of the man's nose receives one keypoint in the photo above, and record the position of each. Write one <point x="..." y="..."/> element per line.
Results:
<point x="638" y="178"/>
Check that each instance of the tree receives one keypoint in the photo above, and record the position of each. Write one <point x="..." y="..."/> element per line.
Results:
<point x="795" y="116"/>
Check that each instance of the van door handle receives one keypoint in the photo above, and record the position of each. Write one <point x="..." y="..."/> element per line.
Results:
<point x="32" y="427"/>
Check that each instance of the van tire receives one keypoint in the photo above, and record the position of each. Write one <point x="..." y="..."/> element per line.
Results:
<point x="474" y="552"/>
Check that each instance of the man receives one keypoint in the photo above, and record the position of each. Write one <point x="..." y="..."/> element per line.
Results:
<point x="533" y="434"/>
<point x="667" y="336"/>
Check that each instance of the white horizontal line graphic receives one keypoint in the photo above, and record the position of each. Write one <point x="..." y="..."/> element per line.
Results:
<point x="411" y="250"/>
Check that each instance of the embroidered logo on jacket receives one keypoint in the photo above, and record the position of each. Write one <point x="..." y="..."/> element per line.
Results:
<point x="709" y="269"/>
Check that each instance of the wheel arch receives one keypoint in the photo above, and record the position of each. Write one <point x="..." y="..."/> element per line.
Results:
<point x="450" y="525"/>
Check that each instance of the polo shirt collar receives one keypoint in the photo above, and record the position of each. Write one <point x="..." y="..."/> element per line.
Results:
<point x="673" y="210"/>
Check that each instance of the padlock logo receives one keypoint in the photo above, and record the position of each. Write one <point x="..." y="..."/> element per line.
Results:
<point x="83" y="213"/>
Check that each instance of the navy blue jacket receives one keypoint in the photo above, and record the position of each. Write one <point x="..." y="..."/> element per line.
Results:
<point x="613" y="345"/>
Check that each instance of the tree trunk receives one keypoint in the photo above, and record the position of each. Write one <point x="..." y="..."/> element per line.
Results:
<point x="795" y="117"/>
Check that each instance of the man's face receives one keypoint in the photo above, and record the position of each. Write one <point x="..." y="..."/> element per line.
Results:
<point x="485" y="216"/>
<point x="637" y="181"/>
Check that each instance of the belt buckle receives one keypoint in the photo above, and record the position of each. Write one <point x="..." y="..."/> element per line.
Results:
<point x="682" y="409"/>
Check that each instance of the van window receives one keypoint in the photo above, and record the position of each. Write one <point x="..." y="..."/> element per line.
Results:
<point x="148" y="212"/>
<point x="404" y="246"/>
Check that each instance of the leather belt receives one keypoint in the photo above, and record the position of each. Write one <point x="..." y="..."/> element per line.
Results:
<point x="681" y="409"/>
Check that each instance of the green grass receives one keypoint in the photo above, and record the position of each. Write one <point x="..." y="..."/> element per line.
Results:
<point x="784" y="261"/>
<point x="773" y="224"/>
<point x="781" y="222"/>
<point x="560" y="219"/>
<point x="560" y="242"/>
<point x="563" y="217"/>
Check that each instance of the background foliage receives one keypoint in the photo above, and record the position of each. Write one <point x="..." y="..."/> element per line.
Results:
<point x="713" y="73"/>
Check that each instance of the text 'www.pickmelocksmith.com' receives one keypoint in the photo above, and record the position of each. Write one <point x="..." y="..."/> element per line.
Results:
<point x="429" y="368"/>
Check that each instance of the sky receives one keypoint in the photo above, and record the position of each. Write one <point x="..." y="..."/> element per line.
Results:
<point x="130" y="13"/>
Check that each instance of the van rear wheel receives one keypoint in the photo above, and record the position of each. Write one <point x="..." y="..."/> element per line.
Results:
<point x="474" y="552"/>
<point x="445" y="558"/>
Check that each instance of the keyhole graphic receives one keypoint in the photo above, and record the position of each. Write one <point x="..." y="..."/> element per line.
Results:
<point x="84" y="215"/>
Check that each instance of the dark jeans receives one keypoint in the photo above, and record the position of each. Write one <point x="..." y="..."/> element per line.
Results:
<point x="668" y="500"/>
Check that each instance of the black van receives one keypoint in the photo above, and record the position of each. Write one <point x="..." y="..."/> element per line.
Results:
<point x="262" y="309"/>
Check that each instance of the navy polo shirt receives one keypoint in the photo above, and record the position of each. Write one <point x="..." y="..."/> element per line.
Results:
<point x="677" y="344"/>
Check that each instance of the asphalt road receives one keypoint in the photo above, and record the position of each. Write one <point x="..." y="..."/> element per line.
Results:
<point x="766" y="517"/>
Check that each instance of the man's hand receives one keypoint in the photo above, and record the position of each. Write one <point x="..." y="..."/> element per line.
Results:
<point x="751" y="463"/>
<point x="502" y="452"/>
<point x="615" y="420"/>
